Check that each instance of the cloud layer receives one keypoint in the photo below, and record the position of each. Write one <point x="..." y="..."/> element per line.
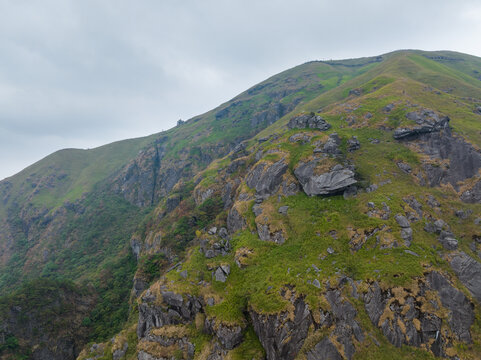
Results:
<point x="83" y="73"/>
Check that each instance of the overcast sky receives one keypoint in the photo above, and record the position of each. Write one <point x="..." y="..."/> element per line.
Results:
<point x="84" y="73"/>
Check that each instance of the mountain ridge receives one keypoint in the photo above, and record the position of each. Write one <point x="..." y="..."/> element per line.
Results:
<point x="225" y="194"/>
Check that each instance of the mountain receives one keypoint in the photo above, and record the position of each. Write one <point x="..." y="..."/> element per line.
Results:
<point x="329" y="212"/>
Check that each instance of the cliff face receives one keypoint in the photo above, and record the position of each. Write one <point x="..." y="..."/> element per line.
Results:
<point x="330" y="212"/>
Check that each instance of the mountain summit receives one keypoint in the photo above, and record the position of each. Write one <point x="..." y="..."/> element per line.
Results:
<point x="332" y="211"/>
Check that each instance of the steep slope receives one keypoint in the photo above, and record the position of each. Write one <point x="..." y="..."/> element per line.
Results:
<point x="347" y="229"/>
<point x="72" y="214"/>
<point x="330" y="212"/>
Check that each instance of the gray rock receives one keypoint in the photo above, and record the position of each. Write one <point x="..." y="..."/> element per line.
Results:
<point x="310" y="121"/>
<point x="228" y="336"/>
<point x="431" y="201"/>
<point x="330" y="250"/>
<point x="463" y="214"/>
<point x="468" y="271"/>
<point x="225" y="268"/>
<point x="411" y="252"/>
<point x="265" y="178"/>
<point x="235" y="221"/>
<point x="281" y="337"/>
<point x="239" y="151"/>
<point x="329" y="183"/>
<point x="388" y="108"/>
<point x="473" y="195"/>
<point x="257" y="209"/>
<point x="220" y="275"/>
<point x="430" y="325"/>
<point x="402" y="221"/>
<point x="265" y="234"/>
<point x="332" y="145"/>
<point x="283" y="210"/>
<point x="210" y="250"/>
<point x="353" y="144"/>
<point x="119" y="353"/>
<point x="223" y="233"/>
<point x="462" y="314"/>
<point x="447" y="239"/>
<point x="404" y="167"/>
<point x="316" y="283"/>
<point x="183" y="274"/>
<point x="346" y="326"/>
<point x="212" y="230"/>
<point x="407" y="235"/>
<point x="439" y="225"/>
<point x="324" y="350"/>
<point x="372" y="188"/>
<point x="175" y="309"/>
<point x="464" y="160"/>
<point x="427" y="122"/>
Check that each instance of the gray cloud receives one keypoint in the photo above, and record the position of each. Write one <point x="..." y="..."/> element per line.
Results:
<point x="84" y="73"/>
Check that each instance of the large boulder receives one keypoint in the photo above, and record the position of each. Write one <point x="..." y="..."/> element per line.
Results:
<point x="332" y="182"/>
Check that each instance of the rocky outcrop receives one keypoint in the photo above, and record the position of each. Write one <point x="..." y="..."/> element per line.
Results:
<point x="332" y="182"/>
<point x="427" y="122"/>
<point x="464" y="160"/>
<point x="266" y="178"/>
<point x="310" y="121"/>
<point x="281" y="335"/>
<point x="173" y="310"/>
<point x="229" y="336"/>
<point x="331" y="146"/>
<point x="324" y="350"/>
<point x="346" y="328"/>
<point x="137" y="181"/>
<point x="468" y="271"/>
<point x="405" y="316"/>
<point x="462" y="314"/>
<point x="447" y="239"/>
<point x="235" y="221"/>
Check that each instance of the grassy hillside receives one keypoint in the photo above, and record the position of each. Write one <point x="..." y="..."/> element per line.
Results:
<point x="75" y="214"/>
